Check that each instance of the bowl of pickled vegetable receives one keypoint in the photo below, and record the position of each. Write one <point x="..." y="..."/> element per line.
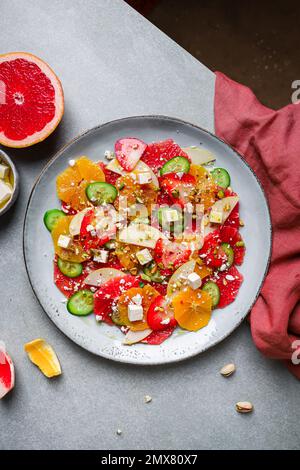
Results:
<point x="9" y="183"/>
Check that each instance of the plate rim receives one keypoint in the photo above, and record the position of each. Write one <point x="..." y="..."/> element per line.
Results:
<point x="78" y="137"/>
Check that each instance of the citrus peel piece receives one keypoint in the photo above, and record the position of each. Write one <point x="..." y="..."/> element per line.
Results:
<point x="44" y="357"/>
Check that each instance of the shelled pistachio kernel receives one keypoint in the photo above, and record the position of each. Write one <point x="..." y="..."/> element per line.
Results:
<point x="227" y="370"/>
<point x="244" y="407"/>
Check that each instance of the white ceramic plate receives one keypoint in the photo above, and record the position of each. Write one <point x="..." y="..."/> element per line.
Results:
<point x="106" y="340"/>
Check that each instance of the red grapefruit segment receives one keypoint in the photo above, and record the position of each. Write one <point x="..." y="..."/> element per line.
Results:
<point x="31" y="100"/>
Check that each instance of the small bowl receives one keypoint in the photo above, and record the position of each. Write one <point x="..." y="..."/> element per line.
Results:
<point x="5" y="158"/>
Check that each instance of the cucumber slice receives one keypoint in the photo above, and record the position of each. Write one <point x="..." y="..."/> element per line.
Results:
<point x="100" y="192"/>
<point x="152" y="274"/>
<point x="221" y="177"/>
<point x="116" y="318"/>
<point x="81" y="303"/>
<point x="229" y="253"/>
<point x="176" y="165"/>
<point x="162" y="219"/>
<point x="51" y="217"/>
<point x="213" y="290"/>
<point x="68" y="268"/>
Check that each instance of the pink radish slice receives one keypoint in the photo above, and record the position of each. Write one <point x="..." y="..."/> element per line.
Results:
<point x="129" y="151"/>
<point x="7" y="373"/>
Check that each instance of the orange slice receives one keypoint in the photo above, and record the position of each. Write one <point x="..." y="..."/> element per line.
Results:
<point x="126" y="256"/>
<point x="206" y="187"/>
<point x="136" y="194"/>
<point x="76" y="252"/>
<point x="148" y="293"/>
<point x="192" y="308"/>
<point x="201" y="269"/>
<point x="43" y="356"/>
<point x="72" y="182"/>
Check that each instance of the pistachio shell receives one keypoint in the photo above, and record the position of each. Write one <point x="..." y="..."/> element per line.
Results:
<point x="227" y="370"/>
<point x="244" y="407"/>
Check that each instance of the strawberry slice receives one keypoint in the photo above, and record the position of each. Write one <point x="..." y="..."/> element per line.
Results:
<point x="92" y="238"/>
<point x="171" y="255"/>
<point x="210" y="252"/>
<point x="178" y="187"/>
<point x="107" y="295"/>
<point x="229" y="283"/>
<point x="159" y="316"/>
<point x="233" y="220"/>
<point x="159" y="336"/>
<point x="129" y="151"/>
<point x="158" y="153"/>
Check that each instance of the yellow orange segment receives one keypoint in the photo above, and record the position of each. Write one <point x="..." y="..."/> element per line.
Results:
<point x="72" y="182"/>
<point x="206" y="187"/>
<point x="75" y="253"/>
<point x="126" y="256"/>
<point x="148" y="294"/>
<point x="44" y="357"/>
<point x="135" y="193"/>
<point x="201" y="269"/>
<point x="192" y="308"/>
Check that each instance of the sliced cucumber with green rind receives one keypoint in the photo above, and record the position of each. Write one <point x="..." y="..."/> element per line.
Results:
<point x="68" y="268"/>
<point x="116" y="318"/>
<point x="101" y="192"/>
<point x="81" y="303"/>
<point x="213" y="290"/>
<point x="229" y="253"/>
<point x="221" y="177"/>
<point x="176" y="165"/>
<point x="51" y="218"/>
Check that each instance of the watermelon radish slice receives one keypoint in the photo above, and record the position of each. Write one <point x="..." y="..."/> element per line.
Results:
<point x="7" y="372"/>
<point x="158" y="337"/>
<point x="158" y="153"/>
<point x="108" y="294"/>
<point x="31" y="100"/>
<point x="129" y="151"/>
<point x="229" y="283"/>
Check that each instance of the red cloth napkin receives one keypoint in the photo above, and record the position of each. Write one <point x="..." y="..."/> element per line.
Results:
<point x="270" y="142"/>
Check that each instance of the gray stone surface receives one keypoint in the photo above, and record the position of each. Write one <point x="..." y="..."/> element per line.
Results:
<point x="113" y="63"/>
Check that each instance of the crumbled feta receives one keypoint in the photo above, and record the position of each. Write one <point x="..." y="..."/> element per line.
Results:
<point x="171" y="215"/>
<point x="166" y="321"/>
<point x="216" y="217"/>
<point x="145" y="177"/>
<point x="194" y="280"/>
<point x="180" y="174"/>
<point x="99" y="318"/>
<point x="72" y="162"/>
<point x="89" y="228"/>
<point x="64" y="241"/>
<point x="144" y="256"/>
<point x="223" y="267"/>
<point x="137" y="299"/>
<point x="119" y="432"/>
<point x="229" y="277"/>
<point x="4" y="171"/>
<point x="101" y="256"/>
<point x="135" y="312"/>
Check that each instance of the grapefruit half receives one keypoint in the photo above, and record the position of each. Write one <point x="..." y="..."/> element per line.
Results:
<point x="31" y="100"/>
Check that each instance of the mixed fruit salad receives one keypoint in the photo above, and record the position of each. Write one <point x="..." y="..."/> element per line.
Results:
<point x="148" y="241"/>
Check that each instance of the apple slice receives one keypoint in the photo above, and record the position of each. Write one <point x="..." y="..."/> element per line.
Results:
<point x="75" y="224"/>
<point x="133" y="337"/>
<point x="7" y="372"/>
<point x="141" y="235"/>
<point x="180" y="275"/>
<point x="199" y="156"/>
<point x="141" y="167"/>
<point x="102" y="275"/>
<point x="224" y="207"/>
<point x="129" y="151"/>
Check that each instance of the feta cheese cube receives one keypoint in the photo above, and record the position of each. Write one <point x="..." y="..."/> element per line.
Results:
<point x="216" y="217"/>
<point x="135" y="312"/>
<point x="64" y="241"/>
<point x="171" y="215"/>
<point x="101" y="256"/>
<point x="194" y="281"/>
<point x="145" y="177"/>
<point x="4" y="171"/>
<point x="144" y="256"/>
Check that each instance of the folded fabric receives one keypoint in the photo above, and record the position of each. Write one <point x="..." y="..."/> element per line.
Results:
<point x="270" y="142"/>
